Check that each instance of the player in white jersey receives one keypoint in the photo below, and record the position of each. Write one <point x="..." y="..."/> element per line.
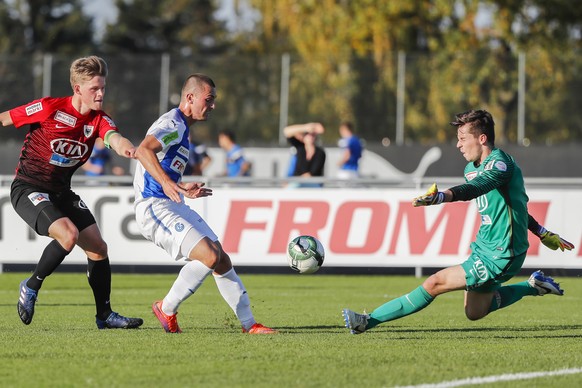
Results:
<point x="164" y="218"/>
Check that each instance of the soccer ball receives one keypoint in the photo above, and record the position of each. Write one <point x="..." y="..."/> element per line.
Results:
<point x="305" y="254"/>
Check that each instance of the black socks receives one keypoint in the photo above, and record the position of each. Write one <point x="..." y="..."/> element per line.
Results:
<point x="52" y="256"/>
<point x="99" y="276"/>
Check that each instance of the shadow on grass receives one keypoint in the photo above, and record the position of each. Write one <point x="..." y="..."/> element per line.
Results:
<point x="416" y="333"/>
<point x="311" y="329"/>
<point x="485" y="329"/>
<point x="51" y="304"/>
<point x="221" y="330"/>
<point x="41" y="304"/>
<point x="512" y="332"/>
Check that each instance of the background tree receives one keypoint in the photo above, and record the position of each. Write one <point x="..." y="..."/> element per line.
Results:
<point x="196" y="41"/>
<point x="174" y="26"/>
<point x="11" y="31"/>
<point x="52" y="26"/>
<point x="344" y="57"/>
<point x="29" y="29"/>
<point x="460" y="54"/>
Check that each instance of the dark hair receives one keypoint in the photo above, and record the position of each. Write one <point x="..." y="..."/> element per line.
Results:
<point x="196" y="80"/>
<point x="348" y="125"/>
<point x="481" y="122"/>
<point x="228" y="134"/>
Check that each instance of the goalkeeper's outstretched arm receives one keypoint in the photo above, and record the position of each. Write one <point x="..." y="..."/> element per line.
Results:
<point x="549" y="239"/>
<point x="433" y="197"/>
<point x="464" y="192"/>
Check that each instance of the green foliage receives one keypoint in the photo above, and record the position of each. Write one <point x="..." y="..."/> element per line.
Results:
<point x="62" y="346"/>
<point x="178" y="26"/>
<point x="459" y="55"/>
<point x="459" y="59"/>
<point x="55" y="26"/>
<point x="11" y="31"/>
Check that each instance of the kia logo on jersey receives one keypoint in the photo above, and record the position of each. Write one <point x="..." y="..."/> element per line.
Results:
<point x="69" y="148"/>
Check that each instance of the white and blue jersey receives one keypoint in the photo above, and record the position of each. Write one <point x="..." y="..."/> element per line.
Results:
<point x="167" y="223"/>
<point x="171" y="130"/>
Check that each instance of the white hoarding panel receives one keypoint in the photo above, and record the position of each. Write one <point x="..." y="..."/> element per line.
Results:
<point x="358" y="227"/>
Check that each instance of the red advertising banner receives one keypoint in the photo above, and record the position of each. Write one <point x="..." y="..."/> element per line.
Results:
<point x="358" y="227"/>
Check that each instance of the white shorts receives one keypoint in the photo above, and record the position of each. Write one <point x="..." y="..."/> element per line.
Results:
<point x="166" y="223"/>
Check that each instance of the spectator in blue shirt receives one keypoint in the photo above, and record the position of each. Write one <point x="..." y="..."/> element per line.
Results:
<point x="351" y="152"/>
<point x="236" y="164"/>
<point x="292" y="161"/>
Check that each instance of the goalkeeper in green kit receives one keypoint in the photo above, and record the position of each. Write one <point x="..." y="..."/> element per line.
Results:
<point x="495" y="181"/>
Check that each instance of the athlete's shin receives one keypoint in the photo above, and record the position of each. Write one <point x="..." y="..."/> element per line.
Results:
<point x="188" y="281"/>
<point x="99" y="276"/>
<point x="235" y="294"/>
<point x="400" y="307"/>
<point x="508" y="295"/>
<point x="52" y="256"/>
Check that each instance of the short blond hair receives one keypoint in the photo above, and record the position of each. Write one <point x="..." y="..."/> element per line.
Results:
<point x="83" y="69"/>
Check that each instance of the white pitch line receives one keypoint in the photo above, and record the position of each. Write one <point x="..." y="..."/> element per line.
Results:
<point x="498" y="378"/>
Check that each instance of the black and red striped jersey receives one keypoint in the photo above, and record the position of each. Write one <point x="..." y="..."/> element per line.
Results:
<point x="59" y="141"/>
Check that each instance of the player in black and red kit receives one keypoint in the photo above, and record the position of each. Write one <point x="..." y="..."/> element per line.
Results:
<point x="61" y="137"/>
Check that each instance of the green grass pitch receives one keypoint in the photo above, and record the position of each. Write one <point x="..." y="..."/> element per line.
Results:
<point x="63" y="348"/>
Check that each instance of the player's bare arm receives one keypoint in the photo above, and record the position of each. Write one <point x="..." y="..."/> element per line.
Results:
<point x="300" y="129"/>
<point x="146" y="154"/>
<point x="123" y="146"/>
<point x="5" y="118"/>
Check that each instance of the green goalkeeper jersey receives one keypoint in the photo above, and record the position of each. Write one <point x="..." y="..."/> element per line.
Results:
<point x="499" y="191"/>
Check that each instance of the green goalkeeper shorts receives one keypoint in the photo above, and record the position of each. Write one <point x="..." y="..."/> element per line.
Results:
<point x="487" y="275"/>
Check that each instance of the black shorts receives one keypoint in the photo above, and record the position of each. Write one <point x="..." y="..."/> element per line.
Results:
<point x="39" y="208"/>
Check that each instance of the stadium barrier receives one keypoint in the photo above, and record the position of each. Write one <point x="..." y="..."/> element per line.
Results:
<point x="360" y="223"/>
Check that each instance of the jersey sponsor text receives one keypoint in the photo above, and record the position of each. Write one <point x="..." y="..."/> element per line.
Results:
<point x="31" y="109"/>
<point x="69" y="148"/>
<point x="178" y="165"/>
<point x="110" y="121"/>
<point x="65" y="118"/>
<point x="37" y="198"/>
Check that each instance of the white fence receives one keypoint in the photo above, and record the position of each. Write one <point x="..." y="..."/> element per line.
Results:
<point x="371" y="227"/>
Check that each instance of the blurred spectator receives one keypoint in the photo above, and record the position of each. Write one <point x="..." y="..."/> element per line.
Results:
<point x="310" y="158"/>
<point x="198" y="159"/>
<point x="236" y="164"/>
<point x="292" y="161"/>
<point x="100" y="156"/>
<point x="351" y="152"/>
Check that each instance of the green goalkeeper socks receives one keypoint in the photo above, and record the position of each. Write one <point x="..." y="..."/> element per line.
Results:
<point x="418" y="299"/>
<point x="508" y="295"/>
<point x="400" y="307"/>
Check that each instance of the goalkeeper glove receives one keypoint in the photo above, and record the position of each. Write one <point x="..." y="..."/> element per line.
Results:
<point x="432" y="197"/>
<point x="553" y="241"/>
